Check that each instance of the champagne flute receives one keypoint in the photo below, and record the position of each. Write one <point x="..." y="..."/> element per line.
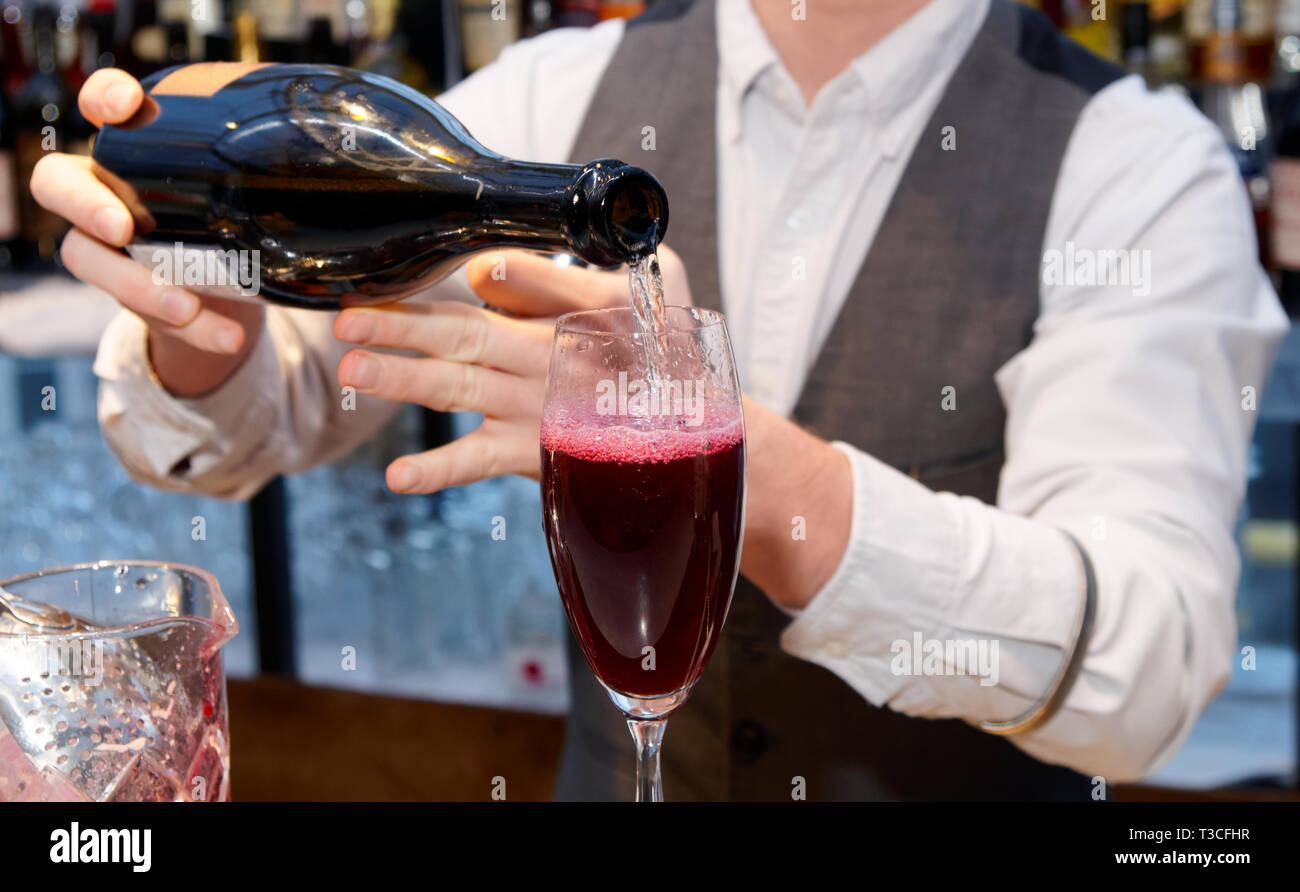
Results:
<point x="643" y="495"/>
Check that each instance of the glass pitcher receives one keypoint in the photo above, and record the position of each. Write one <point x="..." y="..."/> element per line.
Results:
<point x="126" y="700"/>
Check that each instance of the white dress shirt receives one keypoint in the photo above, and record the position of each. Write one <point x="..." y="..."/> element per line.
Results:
<point x="1125" y="415"/>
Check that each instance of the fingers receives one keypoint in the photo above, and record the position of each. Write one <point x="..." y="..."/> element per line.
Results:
<point x="533" y="285"/>
<point x="109" y="96"/>
<point x="65" y="185"/>
<point x="167" y="309"/>
<point x="493" y="450"/>
<point x="451" y="331"/>
<point x="440" y="385"/>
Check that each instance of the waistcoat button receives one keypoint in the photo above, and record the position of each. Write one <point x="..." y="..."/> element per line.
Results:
<point x="748" y="738"/>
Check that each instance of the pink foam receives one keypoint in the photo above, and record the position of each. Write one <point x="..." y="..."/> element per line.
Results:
<point x="586" y="435"/>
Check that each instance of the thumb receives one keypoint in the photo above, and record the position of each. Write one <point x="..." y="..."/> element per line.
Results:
<point x="110" y="96"/>
<point x="532" y="284"/>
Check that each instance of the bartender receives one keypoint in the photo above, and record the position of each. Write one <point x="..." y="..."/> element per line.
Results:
<point x="969" y="422"/>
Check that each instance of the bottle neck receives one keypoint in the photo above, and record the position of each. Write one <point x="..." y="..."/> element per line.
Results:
<point x="605" y="212"/>
<point x="522" y="204"/>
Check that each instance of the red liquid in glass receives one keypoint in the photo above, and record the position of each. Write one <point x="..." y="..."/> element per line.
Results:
<point x="644" y="529"/>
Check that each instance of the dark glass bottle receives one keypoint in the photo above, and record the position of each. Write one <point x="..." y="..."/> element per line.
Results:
<point x="282" y="28"/>
<point x="321" y="49"/>
<point x="178" y="43"/>
<point x="98" y="39"/>
<point x="15" y="71"/>
<point x="575" y="13"/>
<point x="43" y="112"/>
<point x="352" y="188"/>
<point x="389" y="53"/>
<point x="219" y="40"/>
<point x="1286" y="46"/>
<point x="1135" y="38"/>
<point x="541" y="17"/>
<point x="1286" y="208"/>
<point x="10" y="244"/>
<point x="146" y="49"/>
<point x="79" y="131"/>
<point x="1233" y="100"/>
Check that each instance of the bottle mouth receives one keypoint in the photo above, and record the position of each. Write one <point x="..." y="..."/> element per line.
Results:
<point x="637" y="212"/>
<point x="624" y="212"/>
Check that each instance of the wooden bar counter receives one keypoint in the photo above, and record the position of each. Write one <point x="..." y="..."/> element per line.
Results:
<point x="291" y="742"/>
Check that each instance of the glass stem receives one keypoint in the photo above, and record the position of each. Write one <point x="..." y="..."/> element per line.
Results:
<point x="648" y="734"/>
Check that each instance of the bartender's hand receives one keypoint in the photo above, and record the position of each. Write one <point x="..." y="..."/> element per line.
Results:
<point x="194" y="343"/>
<point x="477" y="360"/>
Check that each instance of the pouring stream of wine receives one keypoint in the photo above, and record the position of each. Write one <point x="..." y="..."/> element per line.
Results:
<point x="647" y="287"/>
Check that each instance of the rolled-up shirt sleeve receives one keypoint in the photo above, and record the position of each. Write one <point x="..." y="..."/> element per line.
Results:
<point x="1129" y="417"/>
<point x="281" y="411"/>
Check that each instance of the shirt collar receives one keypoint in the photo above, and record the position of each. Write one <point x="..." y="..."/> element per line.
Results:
<point x="927" y="46"/>
<point x="744" y="53"/>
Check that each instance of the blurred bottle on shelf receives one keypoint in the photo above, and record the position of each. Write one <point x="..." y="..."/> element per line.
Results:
<point x="204" y="20"/>
<point x="246" y="44"/>
<point x="387" y="52"/>
<point x="148" y="43"/>
<point x="619" y="9"/>
<point x="178" y="43"/>
<point x="67" y="45"/>
<point x="321" y="49"/>
<point x="1087" y="24"/>
<point x="356" y="26"/>
<point x="1285" y="216"/>
<point x="174" y="32"/>
<point x="216" y="37"/>
<point x="137" y="16"/>
<point x="1049" y="8"/>
<point x="575" y="13"/>
<point x="327" y="32"/>
<point x="13" y="72"/>
<point x="99" y="37"/>
<point x="1286" y="46"/>
<point x="1252" y="37"/>
<point x="69" y="30"/>
<point x="1233" y="97"/>
<point x="1285" y="169"/>
<point x="1135" y="38"/>
<point x="219" y="46"/>
<point x="435" y="40"/>
<point x="10" y="244"/>
<point x="486" y="28"/>
<point x="42" y="107"/>
<point x="281" y="28"/>
<point x="1169" y="64"/>
<point x="541" y="17"/>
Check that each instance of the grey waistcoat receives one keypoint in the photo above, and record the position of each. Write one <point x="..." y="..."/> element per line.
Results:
<point x="948" y="293"/>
